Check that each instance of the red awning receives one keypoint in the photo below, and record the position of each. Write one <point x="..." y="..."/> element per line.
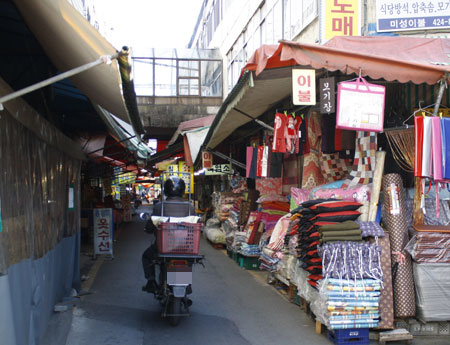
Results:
<point x="419" y="60"/>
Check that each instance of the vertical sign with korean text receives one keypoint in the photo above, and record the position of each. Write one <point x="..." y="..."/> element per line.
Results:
<point x="402" y="15"/>
<point x="187" y="176"/>
<point x="327" y="95"/>
<point x="304" y="86"/>
<point x="207" y="160"/>
<point x="339" y="18"/>
<point x="103" y="231"/>
<point x="172" y="169"/>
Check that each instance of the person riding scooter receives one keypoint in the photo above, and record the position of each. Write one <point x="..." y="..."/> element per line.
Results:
<point x="173" y="206"/>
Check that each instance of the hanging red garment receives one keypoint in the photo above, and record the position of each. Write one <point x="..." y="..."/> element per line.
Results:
<point x="279" y="133"/>
<point x="418" y="138"/>
<point x="298" y="122"/>
<point x="259" y="166"/>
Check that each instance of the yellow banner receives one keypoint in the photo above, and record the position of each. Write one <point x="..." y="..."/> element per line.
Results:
<point x="340" y="18"/>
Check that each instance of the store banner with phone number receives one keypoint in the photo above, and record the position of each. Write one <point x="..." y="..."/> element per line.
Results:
<point x="187" y="174"/>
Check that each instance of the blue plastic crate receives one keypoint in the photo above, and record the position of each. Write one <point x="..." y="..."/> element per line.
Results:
<point x="351" y="336"/>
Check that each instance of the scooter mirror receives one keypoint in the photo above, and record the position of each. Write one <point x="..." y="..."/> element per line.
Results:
<point x="144" y="216"/>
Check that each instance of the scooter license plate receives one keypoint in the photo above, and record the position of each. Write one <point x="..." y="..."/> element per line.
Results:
<point x="179" y="278"/>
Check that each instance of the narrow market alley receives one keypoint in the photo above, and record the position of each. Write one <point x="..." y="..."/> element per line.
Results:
<point x="231" y="305"/>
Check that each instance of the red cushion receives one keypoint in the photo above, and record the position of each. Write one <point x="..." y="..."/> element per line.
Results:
<point x="336" y="216"/>
<point x="335" y="206"/>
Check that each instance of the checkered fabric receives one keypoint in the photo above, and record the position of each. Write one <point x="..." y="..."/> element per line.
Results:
<point x="333" y="167"/>
<point x="364" y="161"/>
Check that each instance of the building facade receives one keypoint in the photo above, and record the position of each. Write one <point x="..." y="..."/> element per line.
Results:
<point x="238" y="28"/>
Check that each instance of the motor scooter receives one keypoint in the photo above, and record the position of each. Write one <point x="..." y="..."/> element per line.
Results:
<point x="178" y="244"/>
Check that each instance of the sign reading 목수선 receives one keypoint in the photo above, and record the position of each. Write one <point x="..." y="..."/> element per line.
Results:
<point x="402" y="15"/>
<point x="103" y="231"/>
<point x="360" y="106"/>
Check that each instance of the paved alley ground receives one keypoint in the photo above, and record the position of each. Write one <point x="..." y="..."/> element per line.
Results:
<point x="231" y="305"/>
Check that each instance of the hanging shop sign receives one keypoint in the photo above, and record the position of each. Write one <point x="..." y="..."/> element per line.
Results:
<point x="207" y="160"/>
<point x="304" y="86"/>
<point x="71" y="200"/>
<point x="403" y="15"/>
<point x="339" y="18"/>
<point x="187" y="174"/>
<point x="327" y="95"/>
<point x="103" y="231"/>
<point x="360" y="106"/>
<point x="219" y="169"/>
<point x="172" y="170"/>
<point x="126" y="205"/>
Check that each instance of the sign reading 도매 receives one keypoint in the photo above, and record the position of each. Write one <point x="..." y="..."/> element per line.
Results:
<point x="339" y="18"/>
<point x="403" y="15"/>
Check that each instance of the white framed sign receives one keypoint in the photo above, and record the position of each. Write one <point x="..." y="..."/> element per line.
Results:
<point x="103" y="231"/>
<point x="360" y="106"/>
<point x="304" y="86"/>
<point x="404" y="15"/>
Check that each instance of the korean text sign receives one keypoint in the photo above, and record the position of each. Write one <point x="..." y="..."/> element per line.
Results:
<point x="327" y="95"/>
<point x="340" y="18"/>
<point x="402" y="15"/>
<point x="219" y="169"/>
<point x="360" y="106"/>
<point x="304" y="86"/>
<point x="207" y="160"/>
<point x="103" y="231"/>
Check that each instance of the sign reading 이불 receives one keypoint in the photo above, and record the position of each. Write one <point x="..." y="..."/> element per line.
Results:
<point x="304" y="86"/>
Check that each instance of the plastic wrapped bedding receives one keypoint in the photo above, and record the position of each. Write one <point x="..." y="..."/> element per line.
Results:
<point x="215" y="235"/>
<point x="430" y="247"/>
<point x="304" y="289"/>
<point x="344" y="304"/>
<point x="432" y="291"/>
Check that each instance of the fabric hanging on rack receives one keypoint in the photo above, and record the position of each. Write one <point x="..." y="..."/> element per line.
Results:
<point x="445" y="130"/>
<point x="394" y="216"/>
<point x="333" y="167"/>
<point x="249" y="158"/>
<point x="312" y="174"/>
<point x="426" y="148"/>
<point x="436" y="148"/>
<point x="328" y="133"/>
<point x="418" y="138"/>
<point x="276" y="164"/>
<point x="291" y="172"/>
<point x="254" y="163"/>
<point x="259" y="163"/>
<point x="364" y="161"/>
<point x="279" y="133"/>
<point x="264" y="163"/>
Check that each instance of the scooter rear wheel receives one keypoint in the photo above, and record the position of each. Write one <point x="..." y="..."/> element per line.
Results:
<point x="175" y="310"/>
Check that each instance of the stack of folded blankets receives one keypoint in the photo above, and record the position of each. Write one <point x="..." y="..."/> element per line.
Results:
<point x="271" y="212"/>
<point x="249" y="250"/>
<point x="351" y="303"/>
<point x="313" y="228"/>
<point x="345" y="231"/>
<point x="235" y="211"/>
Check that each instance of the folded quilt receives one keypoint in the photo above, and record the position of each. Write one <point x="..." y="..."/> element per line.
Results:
<point x="346" y="225"/>
<point x="334" y="233"/>
<point x="341" y="238"/>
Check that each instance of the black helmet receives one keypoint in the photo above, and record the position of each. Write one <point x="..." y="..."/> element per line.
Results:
<point x="174" y="186"/>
